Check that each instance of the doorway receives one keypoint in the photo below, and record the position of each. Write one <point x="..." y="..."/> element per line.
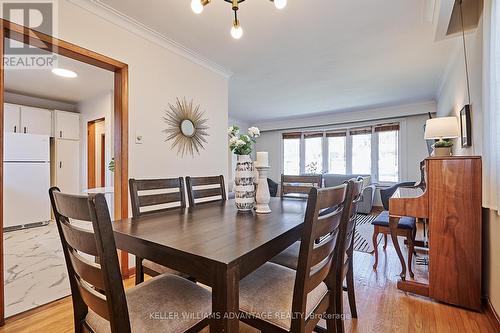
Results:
<point x="96" y="153"/>
<point x="120" y="119"/>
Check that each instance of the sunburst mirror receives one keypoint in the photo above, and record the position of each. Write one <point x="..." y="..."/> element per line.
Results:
<point x="186" y="127"/>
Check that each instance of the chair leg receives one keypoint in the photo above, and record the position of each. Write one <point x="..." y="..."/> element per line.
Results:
<point x="139" y="271"/>
<point x="350" y="288"/>
<point x="331" y="324"/>
<point x="411" y="248"/>
<point x="375" y="245"/>
<point x="339" y="310"/>
<point x="385" y="241"/>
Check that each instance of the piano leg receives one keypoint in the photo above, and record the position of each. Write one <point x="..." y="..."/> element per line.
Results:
<point x="393" y="226"/>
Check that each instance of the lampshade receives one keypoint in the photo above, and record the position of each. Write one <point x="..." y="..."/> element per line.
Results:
<point x="441" y="128"/>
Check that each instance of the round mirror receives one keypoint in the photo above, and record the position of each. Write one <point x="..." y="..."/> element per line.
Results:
<point x="187" y="128"/>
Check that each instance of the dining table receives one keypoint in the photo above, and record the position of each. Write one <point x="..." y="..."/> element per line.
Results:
<point x="214" y="244"/>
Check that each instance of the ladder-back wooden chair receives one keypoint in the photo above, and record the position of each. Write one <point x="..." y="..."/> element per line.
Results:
<point x="100" y="304"/>
<point x="299" y="186"/>
<point x="297" y="300"/>
<point x="205" y="189"/>
<point x="150" y="196"/>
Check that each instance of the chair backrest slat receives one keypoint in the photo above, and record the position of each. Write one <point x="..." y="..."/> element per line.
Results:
<point x="205" y="189"/>
<point x="299" y="185"/>
<point x="144" y="194"/>
<point x="96" y="282"/>
<point x="88" y="271"/>
<point x="326" y="215"/>
<point x="80" y="239"/>
<point x="94" y="300"/>
<point x="348" y="242"/>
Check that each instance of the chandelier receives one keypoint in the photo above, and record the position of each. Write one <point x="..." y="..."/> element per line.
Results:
<point x="236" y="30"/>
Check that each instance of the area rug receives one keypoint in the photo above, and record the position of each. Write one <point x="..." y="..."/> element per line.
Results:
<point x="364" y="233"/>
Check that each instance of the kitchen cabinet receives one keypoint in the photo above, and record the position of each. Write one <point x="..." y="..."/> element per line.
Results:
<point x="66" y="125"/>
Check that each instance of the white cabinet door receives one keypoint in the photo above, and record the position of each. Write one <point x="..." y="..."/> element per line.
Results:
<point x="36" y="121"/>
<point x="67" y="125"/>
<point x="68" y="165"/>
<point x="12" y="117"/>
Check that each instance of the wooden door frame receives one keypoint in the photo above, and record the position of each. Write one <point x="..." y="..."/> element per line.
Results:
<point x="120" y="70"/>
<point x="91" y="148"/>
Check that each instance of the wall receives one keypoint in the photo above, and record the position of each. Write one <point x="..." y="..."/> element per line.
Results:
<point x="452" y="97"/>
<point x="157" y="76"/>
<point x="100" y="106"/>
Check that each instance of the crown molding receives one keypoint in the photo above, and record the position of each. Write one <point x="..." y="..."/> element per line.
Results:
<point x="118" y="18"/>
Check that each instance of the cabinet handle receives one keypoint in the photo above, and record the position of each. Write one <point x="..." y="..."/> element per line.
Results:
<point x="15" y="128"/>
<point x="24" y="129"/>
<point x="60" y="164"/>
<point x="60" y="134"/>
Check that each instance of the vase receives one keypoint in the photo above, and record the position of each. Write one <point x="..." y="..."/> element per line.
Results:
<point x="244" y="189"/>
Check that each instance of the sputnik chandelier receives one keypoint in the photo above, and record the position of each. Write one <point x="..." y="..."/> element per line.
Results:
<point x="236" y="31"/>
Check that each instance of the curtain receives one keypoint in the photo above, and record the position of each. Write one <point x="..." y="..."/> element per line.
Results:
<point x="491" y="98"/>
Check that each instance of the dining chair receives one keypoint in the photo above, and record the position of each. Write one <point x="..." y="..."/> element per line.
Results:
<point x="290" y="257"/>
<point x="299" y="186"/>
<point x="205" y="189"/>
<point x="149" y="196"/>
<point x="100" y="303"/>
<point x="275" y="298"/>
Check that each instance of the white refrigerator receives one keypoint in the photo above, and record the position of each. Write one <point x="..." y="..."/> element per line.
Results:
<point x="26" y="180"/>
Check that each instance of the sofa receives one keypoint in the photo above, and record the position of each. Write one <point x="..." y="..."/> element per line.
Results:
<point x="366" y="203"/>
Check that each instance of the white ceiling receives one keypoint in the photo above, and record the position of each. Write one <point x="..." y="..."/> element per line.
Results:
<point x="91" y="81"/>
<point x="313" y="57"/>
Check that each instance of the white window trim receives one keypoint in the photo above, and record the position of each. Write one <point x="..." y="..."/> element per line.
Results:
<point x="402" y="138"/>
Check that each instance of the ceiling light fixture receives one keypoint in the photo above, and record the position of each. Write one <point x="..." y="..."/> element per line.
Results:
<point x="236" y="30"/>
<point x="64" y="73"/>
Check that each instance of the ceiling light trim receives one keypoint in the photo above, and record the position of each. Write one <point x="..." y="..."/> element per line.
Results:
<point x="116" y="17"/>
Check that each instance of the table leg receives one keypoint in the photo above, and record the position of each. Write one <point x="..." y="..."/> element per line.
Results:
<point x="225" y="301"/>
<point x="393" y="226"/>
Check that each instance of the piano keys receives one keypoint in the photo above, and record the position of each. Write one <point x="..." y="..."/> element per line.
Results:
<point x="451" y="202"/>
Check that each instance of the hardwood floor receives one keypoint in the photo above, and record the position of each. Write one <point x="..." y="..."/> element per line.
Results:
<point x="381" y="306"/>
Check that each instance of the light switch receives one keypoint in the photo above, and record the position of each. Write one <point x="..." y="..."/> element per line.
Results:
<point x="139" y="139"/>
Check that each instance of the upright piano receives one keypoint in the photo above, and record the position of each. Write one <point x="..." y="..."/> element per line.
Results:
<point x="450" y="200"/>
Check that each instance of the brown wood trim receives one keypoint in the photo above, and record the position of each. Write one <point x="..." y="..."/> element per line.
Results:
<point x="121" y="151"/>
<point x="103" y="160"/>
<point x="492" y="315"/>
<point x="414" y="287"/>
<point x="91" y="154"/>
<point x="43" y="41"/>
<point x="2" y="294"/>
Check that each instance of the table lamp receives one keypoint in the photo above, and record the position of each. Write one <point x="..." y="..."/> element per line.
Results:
<point x="442" y="129"/>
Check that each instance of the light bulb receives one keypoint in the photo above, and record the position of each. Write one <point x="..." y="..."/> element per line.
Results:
<point x="280" y="4"/>
<point x="197" y="6"/>
<point x="236" y="30"/>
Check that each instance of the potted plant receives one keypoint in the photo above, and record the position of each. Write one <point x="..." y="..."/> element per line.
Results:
<point x="242" y="146"/>
<point x="443" y="147"/>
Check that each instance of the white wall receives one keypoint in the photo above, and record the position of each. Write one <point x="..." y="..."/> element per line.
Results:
<point x="452" y="98"/>
<point x="157" y="75"/>
<point x="98" y="107"/>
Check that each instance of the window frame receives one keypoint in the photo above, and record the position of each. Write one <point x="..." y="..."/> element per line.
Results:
<point x="348" y="146"/>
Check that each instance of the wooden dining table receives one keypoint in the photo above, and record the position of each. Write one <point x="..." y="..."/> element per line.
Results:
<point x="215" y="244"/>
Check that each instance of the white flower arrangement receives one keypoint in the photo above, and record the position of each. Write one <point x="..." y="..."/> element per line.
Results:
<point x="242" y="144"/>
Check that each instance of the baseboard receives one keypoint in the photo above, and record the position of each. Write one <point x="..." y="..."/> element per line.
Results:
<point x="492" y="315"/>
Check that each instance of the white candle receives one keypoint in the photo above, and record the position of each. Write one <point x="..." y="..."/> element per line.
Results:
<point x="262" y="158"/>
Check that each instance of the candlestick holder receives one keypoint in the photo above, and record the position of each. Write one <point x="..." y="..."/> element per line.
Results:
<point x="262" y="197"/>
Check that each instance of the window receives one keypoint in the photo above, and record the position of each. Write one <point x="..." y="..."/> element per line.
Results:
<point x="388" y="166"/>
<point x="361" y="151"/>
<point x="336" y="152"/>
<point x="291" y="154"/>
<point x="370" y="150"/>
<point x="313" y="153"/>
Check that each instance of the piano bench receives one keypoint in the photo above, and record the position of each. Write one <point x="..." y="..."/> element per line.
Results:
<point x="406" y="228"/>
<point x="405" y="222"/>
